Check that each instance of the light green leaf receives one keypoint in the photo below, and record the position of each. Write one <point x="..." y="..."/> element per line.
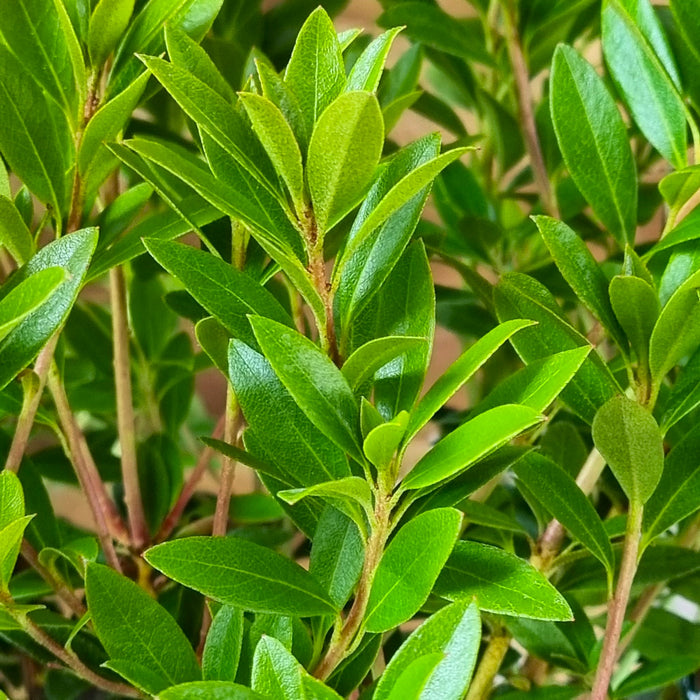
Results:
<point x="344" y="151"/>
<point x="10" y="541"/>
<point x="411" y="684"/>
<point x="11" y="498"/>
<point x="134" y="627"/>
<point x="501" y="583"/>
<point x="629" y="439"/>
<point x="241" y="573"/>
<point x="350" y="488"/>
<point x="210" y="690"/>
<point x="409" y="567"/>
<point x="593" y="140"/>
<point x="108" y="22"/>
<point x="380" y="444"/>
<point x="460" y="372"/>
<point x="367" y="71"/>
<point x="470" y="442"/>
<point x="14" y="234"/>
<point x="222" y="649"/>
<point x="276" y="673"/>
<point x="455" y="633"/>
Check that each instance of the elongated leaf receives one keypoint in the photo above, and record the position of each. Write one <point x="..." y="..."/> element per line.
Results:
<point x="241" y="573"/>
<point x="409" y="567"/>
<point x="222" y="649"/>
<point x="133" y="626"/>
<point x="581" y="270"/>
<point x="685" y="395"/>
<point x="315" y="72"/>
<point x="276" y="673"/>
<point x="343" y="153"/>
<point x="316" y="384"/>
<point x="460" y="372"/>
<point x="367" y="71"/>
<point x="656" y="674"/>
<point x="227" y="293"/>
<point x="351" y="488"/>
<point x="414" y="678"/>
<point x="629" y="438"/>
<point x="138" y="675"/>
<point x="109" y="20"/>
<point x="469" y="443"/>
<point x="14" y="233"/>
<point x="455" y="632"/>
<point x="501" y="583"/>
<point x="381" y="442"/>
<point x="565" y="501"/>
<point x="640" y="76"/>
<point x="11" y="498"/>
<point x="25" y="341"/>
<point x="593" y="140"/>
<point x="210" y="690"/>
<point x="480" y="514"/>
<point x="10" y="541"/>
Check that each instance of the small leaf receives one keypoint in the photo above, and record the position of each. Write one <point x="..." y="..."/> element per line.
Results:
<point x="469" y="443"/>
<point x="343" y="154"/>
<point x="380" y="444"/>
<point x="14" y="233"/>
<point x="351" y="488"/>
<point x="500" y="583"/>
<point x="222" y="648"/>
<point x="11" y="498"/>
<point x="629" y="439"/>
<point x="10" y="541"/>
<point x="367" y="71"/>
<point x="241" y="573"/>
<point x="414" y="678"/>
<point x="409" y="567"/>
<point x="109" y="20"/>
<point x="593" y="140"/>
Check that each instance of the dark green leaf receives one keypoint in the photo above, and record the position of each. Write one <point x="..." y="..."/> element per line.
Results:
<point x="222" y="649"/>
<point x="656" y="674"/>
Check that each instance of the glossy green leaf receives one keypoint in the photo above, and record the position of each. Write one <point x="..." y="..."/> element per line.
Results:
<point x="10" y="541"/>
<point x="344" y="151"/>
<point x="276" y="673"/>
<point x="367" y="71"/>
<point x="316" y="384"/>
<point x="501" y="583"/>
<point x="133" y="626"/>
<point x="210" y="690"/>
<point x="109" y="20"/>
<point x="11" y="498"/>
<point x="454" y="632"/>
<point x="593" y="140"/>
<point x="460" y="372"/>
<point x="315" y="73"/>
<point x="562" y="497"/>
<point x="138" y="675"/>
<point x="382" y="441"/>
<point x="581" y="270"/>
<point x="656" y="674"/>
<point x="469" y="443"/>
<point x="678" y="492"/>
<point x="241" y="573"/>
<point x="642" y="79"/>
<point x="25" y="341"/>
<point x="409" y="567"/>
<point x="351" y="488"/>
<point x="222" y="649"/>
<point x="629" y="439"/>
<point x="414" y="678"/>
<point x="14" y="233"/>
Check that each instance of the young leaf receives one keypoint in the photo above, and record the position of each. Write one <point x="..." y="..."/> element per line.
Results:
<point x="343" y="154"/>
<point x="315" y="72"/>
<point x="469" y="443"/>
<point x="454" y="632"/>
<point x="409" y="567"/>
<point x="460" y="372"/>
<point x="414" y="678"/>
<point x="313" y="380"/>
<point x="593" y="140"/>
<point x="14" y="233"/>
<point x="367" y="71"/>
<point x="210" y="690"/>
<point x="562" y="497"/>
<point x="629" y="438"/>
<point x="134" y="627"/>
<point x="241" y="573"/>
<point x="10" y="541"/>
<point x="222" y="649"/>
<point x="381" y="442"/>
<point x="109" y="20"/>
<point x="501" y="583"/>
<point x="11" y="498"/>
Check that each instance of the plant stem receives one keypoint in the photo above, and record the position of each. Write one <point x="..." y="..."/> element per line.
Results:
<point x="125" y="411"/>
<point x="344" y="638"/>
<point x="618" y="603"/>
<point x="232" y="426"/>
<point x="491" y="661"/>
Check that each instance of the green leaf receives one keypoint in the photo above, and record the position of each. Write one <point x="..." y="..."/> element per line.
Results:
<point x="409" y="567"/>
<point x="214" y="340"/>
<point x="224" y="291"/>
<point x="25" y="341"/>
<point x="10" y="541"/>
<point x="373" y="355"/>
<point x="685" y="395"/>
<point x="279" y="142"/>
<point x="138" y="675"/>
<point x="678" y="492"/>
<point x="581" y="270"/>
<point x="380" y="444"/>
<point x="241" y="573"/>
<point x="656" y="674"/>
<point x="480" y="514"/>
<point x="593" y="140"/>
<point x="317" y="385"/>
<point x="643" y="81"/>
<point x="210" y="690"/>
<point x="520" y="296"/>
<point x="11" y="498"/>
<point x="222" y="649"/>
<point x="469" y="443"/>
<point x="414" y="678"/>
<point x="109" y="121"/>
<point x="14" y="233"/>
<point x="367" y="71"/>
<point x="315" y="73"/>
<point x="134" y="627"/>
<point x="459" y="373"/>
<point x="351" y="488"/>
<point x="562" y="497"/>
<point x="454" y="632"/>
<point x="501" y="583"/>
<point x="677" y="330"/>
<point x="276" y="673"/>
<point x="108" y="22"/>
<point x="337" y="555"/>
<point x="629" y="439"/>
<point x="343" y="154"/>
